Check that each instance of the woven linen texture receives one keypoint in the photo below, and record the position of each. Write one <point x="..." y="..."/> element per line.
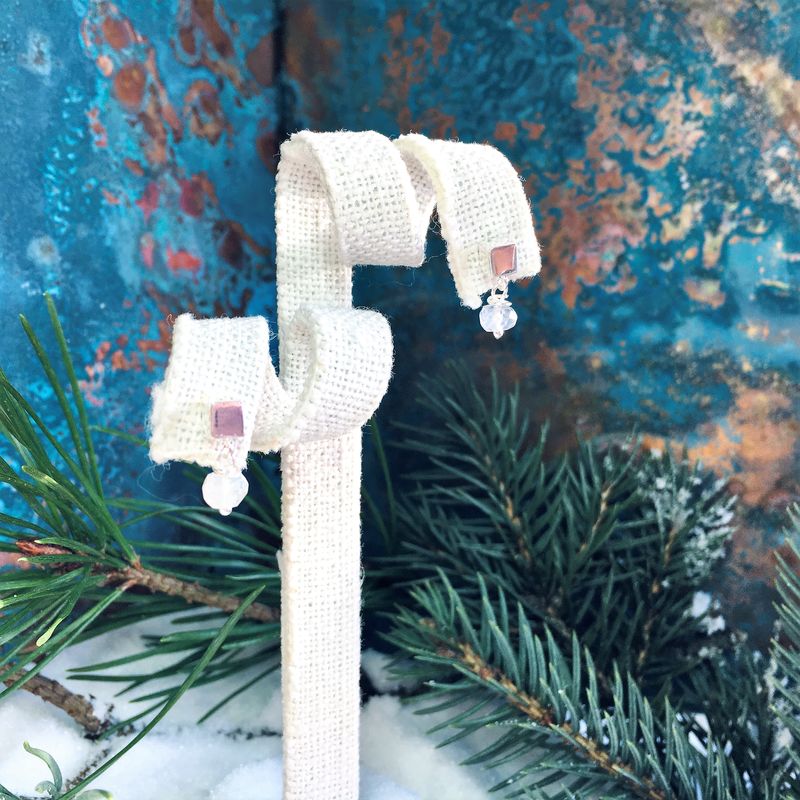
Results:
<point x="212" y="361"/>
<point x="342" y="199"/>
<point x="481" y="205"/>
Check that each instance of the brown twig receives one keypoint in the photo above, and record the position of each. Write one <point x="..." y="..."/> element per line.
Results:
<point x="76" y="705"/>
<point x="190" y="592"/>
<point x="137" y="575"/>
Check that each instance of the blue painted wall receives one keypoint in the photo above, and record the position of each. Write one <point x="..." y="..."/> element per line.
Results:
<point x="659" y="143"/>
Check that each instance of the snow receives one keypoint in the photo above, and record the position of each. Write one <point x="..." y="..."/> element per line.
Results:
<point x="707" y="611"/>
<point x="27" y="718"/>
<point x="182" y="763"/>
<point x="236" y="754"/>
<point x="262" y="780"/>
<point x="412" y="758"/>
<point x="783" y="740"/>
<point x="713" y="624"/>
<point x="378" y="668"/>
<point x="701" y="602"/>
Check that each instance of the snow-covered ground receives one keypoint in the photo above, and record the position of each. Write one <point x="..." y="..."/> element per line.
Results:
<point x="235" y="755"/>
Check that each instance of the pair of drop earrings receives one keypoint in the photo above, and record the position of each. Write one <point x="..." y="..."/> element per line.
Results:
<point x="224" y="489"/>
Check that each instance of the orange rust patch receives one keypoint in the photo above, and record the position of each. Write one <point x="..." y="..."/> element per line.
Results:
<point x="674" y="228"/>
<point x="755" y="444"/>
<point x="267" y="146"/>
<point x="183" y="260"/>
<point x="712" y="247"/>
<point x="105" y="65"/>
<point x="505" y="132"/>
<point x="13" y="560"/>
<point x="147" y="247"/>
<point x="205" y="16"/>
<point x="136" y="85"/>
<point x="130" y="84"/>
<point x="598" y="199"/>
<point x="526" y="14"/>
<point x="134" y="166"/>
<point x="312" y="53"/>
<point x="194" y="192"/>
<point x="148" y="202"/>
<point x="100" y="136"/>
<point x="610" y="179"/>
<point x="549" y="360"/>
<point x="764" y="74"/>
<point x="117" y="32"/>
<point x="440" y="41"/>
<point x="201" y="105"/>
<point x="433" y="121"/>
<point x="705" y="291"/>
<point x="654" y="202"/>
<point x="192" y="199"/>
<point x="94" y="375"/>
<point x="120" y="361"/>
<point x="701" y="103"/>
<point x="757" y="331"/>
<point x="533" y="129"/>
<point x="261" y="61"/>
<point x="111" y="199"/>
<point x="408" y="62"/>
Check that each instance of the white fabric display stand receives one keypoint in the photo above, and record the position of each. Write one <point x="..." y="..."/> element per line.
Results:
<point x="342" y="199"/>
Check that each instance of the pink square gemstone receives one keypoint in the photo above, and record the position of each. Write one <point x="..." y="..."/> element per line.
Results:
<point x="227" y="420"/>
<point x="504" y="259"/>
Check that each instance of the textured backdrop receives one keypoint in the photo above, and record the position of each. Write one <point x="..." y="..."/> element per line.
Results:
<point x="659" y="143"/>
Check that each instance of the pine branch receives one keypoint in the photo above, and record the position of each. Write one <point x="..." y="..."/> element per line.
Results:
<point x="138" y="575"/>
<point x="173" y="695"/>
<point x="54" y="789"/>
<point x="547" y="707"/>
<point x="785" y="652"/>
<point x="85" y="564"/>
<point x="656" y="586"/>
<point x="609" y="542"/>
<point x="56" y="694"/>
<point x="542" y="716"/>
<point x="607" y="547"/>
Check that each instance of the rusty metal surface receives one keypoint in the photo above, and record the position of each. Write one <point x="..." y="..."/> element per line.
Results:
<point x="659" y="143"/>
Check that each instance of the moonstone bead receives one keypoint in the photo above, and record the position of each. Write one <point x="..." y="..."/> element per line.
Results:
<point x="497" y="318"/>
<point x="224" y="492"/>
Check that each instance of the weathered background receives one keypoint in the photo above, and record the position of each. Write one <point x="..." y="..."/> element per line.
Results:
<point x="659" y="143"/>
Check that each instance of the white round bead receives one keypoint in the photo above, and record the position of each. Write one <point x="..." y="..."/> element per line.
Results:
<point x="224" y="492"/>
<point x="496" y="318"/>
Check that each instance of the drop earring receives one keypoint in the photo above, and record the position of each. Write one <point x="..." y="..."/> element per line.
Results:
<point x="226" y="486"/>
<point x="497" y="316"/>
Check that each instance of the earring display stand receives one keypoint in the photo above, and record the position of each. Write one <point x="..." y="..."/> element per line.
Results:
<point x="342" y="199"/>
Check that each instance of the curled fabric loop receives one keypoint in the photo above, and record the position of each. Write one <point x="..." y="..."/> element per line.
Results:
<point x="481" y="205"/>
<point x="349" y="353"/>
<point x="342" y="199"/>
<point x="212" y="361"/>
<point x="352" y="198"/>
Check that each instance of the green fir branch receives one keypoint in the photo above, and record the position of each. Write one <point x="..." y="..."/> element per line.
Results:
<point x="492" y="670"/>
<point x="611" y="547"/>
<point x="785" y="675"/>
<point x="609" y="542"/>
